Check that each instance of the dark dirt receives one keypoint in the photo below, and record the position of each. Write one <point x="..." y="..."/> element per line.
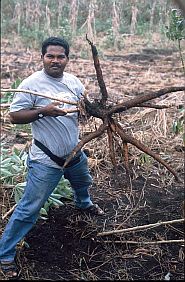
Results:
<point x="66" y="246"/>
<point x="70" y="245"/>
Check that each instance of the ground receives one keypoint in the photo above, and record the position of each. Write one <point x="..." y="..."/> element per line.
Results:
<point x="72" y="246"/>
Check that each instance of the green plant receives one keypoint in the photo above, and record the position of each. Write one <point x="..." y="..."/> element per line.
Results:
<point x="13" y="165"/>
<point x="33" y="37"/>
<point x="144" y="159"/>
<point x="22" y="128"/>
<point x="63" y="190"/>
<point x="178" y="124"/>
<point x="7" y="97"/>
<point x="13" y="172"/>
<point x="176" y="31"/>
<point x="109" y="42"/>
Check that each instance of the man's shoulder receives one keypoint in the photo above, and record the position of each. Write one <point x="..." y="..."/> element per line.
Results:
<point x="69" y="75"/>
<point x="71" y="78"/>
<point x="73" y="83"/>
<point x="33" y="77"/>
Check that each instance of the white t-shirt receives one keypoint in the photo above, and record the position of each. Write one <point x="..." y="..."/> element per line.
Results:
<point x="59" y="134"/>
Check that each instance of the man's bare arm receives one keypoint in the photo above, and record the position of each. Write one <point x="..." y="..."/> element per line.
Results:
<point x="30" y="115"/>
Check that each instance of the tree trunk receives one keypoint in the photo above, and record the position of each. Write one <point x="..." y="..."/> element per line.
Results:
<point x="152" y="14"/>
<point x="134" y="18"/>
<point x="115" y="24"/>
<point x="73" y="16"/>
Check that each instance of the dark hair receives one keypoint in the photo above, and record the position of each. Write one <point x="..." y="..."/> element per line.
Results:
<point x="55" y="41"/>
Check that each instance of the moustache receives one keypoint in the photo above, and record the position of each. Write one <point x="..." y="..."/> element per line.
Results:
<point x="55" y="65"/>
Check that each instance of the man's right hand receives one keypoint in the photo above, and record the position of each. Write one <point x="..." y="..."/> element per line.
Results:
<point x="30" y="115"/>
<point x="52" y="110"/>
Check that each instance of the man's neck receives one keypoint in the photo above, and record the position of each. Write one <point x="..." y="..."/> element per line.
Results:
<point x="57" y="78"/>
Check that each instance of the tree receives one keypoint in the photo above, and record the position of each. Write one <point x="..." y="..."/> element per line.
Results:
<point x="101" y="110"/>
<point x="73" y="16"/>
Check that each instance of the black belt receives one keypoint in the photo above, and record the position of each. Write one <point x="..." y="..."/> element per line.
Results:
<point x="56" y="159"/>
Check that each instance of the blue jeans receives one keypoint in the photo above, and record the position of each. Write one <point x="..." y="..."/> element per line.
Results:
<point x="41" y="181"/>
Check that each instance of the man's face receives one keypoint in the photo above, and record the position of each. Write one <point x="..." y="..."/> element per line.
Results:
<point x="55" y="60"/>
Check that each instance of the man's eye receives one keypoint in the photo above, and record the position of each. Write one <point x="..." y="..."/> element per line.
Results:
<point x="61" y="57"/>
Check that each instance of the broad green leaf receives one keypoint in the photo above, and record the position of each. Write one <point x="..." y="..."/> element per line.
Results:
<point x="16" y="83"/>
<point x="21" y="185"/>
<point x="16" y="151"/>
<point x="44" y="218"/>
<point x="6" y="172"/>
<point x="43" y="211"/>
<point x="16" y="159"/>
<point x="56" y="201"/>
<point x="16" y="168"/>
<point x="47" y="205"/>
<point x="3" y="150"/>
<point x="5" y="161"/>
<point x="6" y="165"/>
<point x="55" y="205"/>
<point x="56" y="196"/>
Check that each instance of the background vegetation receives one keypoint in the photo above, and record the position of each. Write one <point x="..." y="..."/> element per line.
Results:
<point x="110" y="20"/>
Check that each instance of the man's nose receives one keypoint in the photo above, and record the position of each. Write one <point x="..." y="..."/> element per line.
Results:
<point x="55" y="60"/>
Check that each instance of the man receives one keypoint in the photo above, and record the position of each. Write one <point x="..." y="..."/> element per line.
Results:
<point x="55" y="134"/>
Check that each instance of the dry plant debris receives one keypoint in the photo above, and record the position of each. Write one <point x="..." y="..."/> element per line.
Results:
<point x="67" y="246"/>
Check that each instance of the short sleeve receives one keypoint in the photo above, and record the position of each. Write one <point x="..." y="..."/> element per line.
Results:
<point x="22" y="100"/>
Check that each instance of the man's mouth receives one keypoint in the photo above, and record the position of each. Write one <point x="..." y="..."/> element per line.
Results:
<point x="55" y="67"/>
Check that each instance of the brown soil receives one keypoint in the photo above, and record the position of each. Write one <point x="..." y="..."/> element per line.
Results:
<point x="70" y="245"/>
